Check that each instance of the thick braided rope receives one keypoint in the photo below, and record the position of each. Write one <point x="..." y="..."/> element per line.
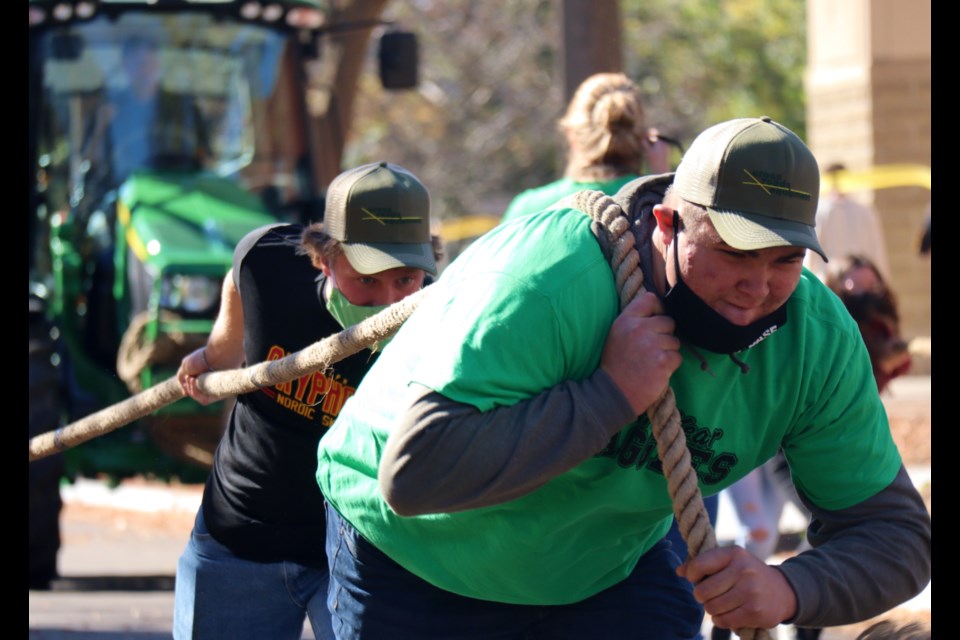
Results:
<point x="221" y="384"/>
<point x="688" y="506"/>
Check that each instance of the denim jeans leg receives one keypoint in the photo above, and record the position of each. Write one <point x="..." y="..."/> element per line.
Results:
<point x="218" y="595"/>
<point x="311" y="591"/>
<point x="374" y="598"/>
<point x="183" y="588"/>
<point x="652" y="602"/>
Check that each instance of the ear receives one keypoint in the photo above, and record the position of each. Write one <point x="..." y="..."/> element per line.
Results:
<point x="664" y="217"/>
<point x="321" y="263"/>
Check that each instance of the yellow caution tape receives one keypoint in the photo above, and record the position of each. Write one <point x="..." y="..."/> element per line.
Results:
<point x="875" y="178"/>
<point x="883" y="176"/>
<point x="470" y="226"/>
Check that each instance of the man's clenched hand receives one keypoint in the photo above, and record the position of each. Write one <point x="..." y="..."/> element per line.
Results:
<point x="641" y="352"/>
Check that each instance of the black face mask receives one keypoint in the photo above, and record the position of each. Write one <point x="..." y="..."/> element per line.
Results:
<point x="706" y="329"/>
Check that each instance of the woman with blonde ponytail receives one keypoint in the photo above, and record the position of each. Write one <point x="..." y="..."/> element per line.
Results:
<point x="608" y="143"/>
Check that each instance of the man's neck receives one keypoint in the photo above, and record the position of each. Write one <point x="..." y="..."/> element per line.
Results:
<point x="652" y="255"/>
<point x="658" y="259"/>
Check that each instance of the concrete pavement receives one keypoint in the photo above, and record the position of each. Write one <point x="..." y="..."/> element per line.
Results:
<point x="117" y="562"/>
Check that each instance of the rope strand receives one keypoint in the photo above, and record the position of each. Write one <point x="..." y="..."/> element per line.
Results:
<point x="221" y="384"/>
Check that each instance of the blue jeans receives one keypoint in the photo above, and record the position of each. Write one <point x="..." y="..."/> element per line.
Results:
<point x="372" y="597"/>
<point x="218" y="595"/>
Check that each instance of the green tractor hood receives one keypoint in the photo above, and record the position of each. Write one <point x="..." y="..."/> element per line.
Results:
<point x="186" y="218"/>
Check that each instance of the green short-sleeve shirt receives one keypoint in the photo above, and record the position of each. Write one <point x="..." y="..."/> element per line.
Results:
<point x="528" y="306"/>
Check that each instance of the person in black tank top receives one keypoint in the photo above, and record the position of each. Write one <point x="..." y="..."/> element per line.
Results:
<point x="255" y="565"/>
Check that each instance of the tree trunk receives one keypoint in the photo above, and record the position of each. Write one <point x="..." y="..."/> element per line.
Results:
<point x="333" y="86"/>
<point x="591" y="40"/>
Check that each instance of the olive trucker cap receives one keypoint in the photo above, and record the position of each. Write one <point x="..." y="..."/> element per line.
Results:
<point x="758" y="181"/>
<point x="380" y="212"/>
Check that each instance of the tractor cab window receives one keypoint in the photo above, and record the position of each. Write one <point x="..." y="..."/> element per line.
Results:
<point x="161" y="138"/>
<point x="158" y="92"/>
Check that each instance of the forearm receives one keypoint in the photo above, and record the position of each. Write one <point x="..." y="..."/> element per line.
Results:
<point x="867" y="559"/>
<point x="224" y="348"/>
<point x="445" y="456"/>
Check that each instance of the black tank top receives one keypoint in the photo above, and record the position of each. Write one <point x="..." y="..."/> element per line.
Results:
<point x="261" y="499"/>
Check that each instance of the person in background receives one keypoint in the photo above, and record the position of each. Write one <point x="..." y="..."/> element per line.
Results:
<point x="868" y="297"/>
<point x="255" y="566"/>
<point x="846" y="226"/>
<point x="608" y="144"/>
<point x="891" y="630"/>
<point x="144" y="125"/>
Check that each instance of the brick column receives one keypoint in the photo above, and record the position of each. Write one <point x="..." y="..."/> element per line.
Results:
<point x="868" y="104"/>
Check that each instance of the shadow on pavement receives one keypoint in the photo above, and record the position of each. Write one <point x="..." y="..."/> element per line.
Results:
<point x="58" y="634"/>
<point x="113" y="583"/>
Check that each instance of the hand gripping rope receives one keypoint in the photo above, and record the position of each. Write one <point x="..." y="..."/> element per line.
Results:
<point x="610" y="220"/>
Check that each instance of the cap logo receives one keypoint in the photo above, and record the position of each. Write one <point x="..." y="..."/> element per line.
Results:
<point x="384" y="219"/>
<point x="770" y="182"/>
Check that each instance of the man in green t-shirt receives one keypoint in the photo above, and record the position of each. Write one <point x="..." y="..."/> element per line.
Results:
<point x="500" y="484"/>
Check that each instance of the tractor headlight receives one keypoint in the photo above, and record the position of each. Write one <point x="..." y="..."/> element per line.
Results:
<point x="189" y="294"/>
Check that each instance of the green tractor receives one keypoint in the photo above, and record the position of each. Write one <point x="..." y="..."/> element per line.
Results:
<point x="161" y="132"/>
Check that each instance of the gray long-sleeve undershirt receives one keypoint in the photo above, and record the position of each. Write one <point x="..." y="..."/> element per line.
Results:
<point x="868" y="558"/>
<point x="499" y="455"/>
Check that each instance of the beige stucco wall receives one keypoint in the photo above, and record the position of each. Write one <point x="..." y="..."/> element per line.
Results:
<point x="868" y="103"/>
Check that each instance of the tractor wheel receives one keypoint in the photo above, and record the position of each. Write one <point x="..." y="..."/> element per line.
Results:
<point x="44" y="487"/>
